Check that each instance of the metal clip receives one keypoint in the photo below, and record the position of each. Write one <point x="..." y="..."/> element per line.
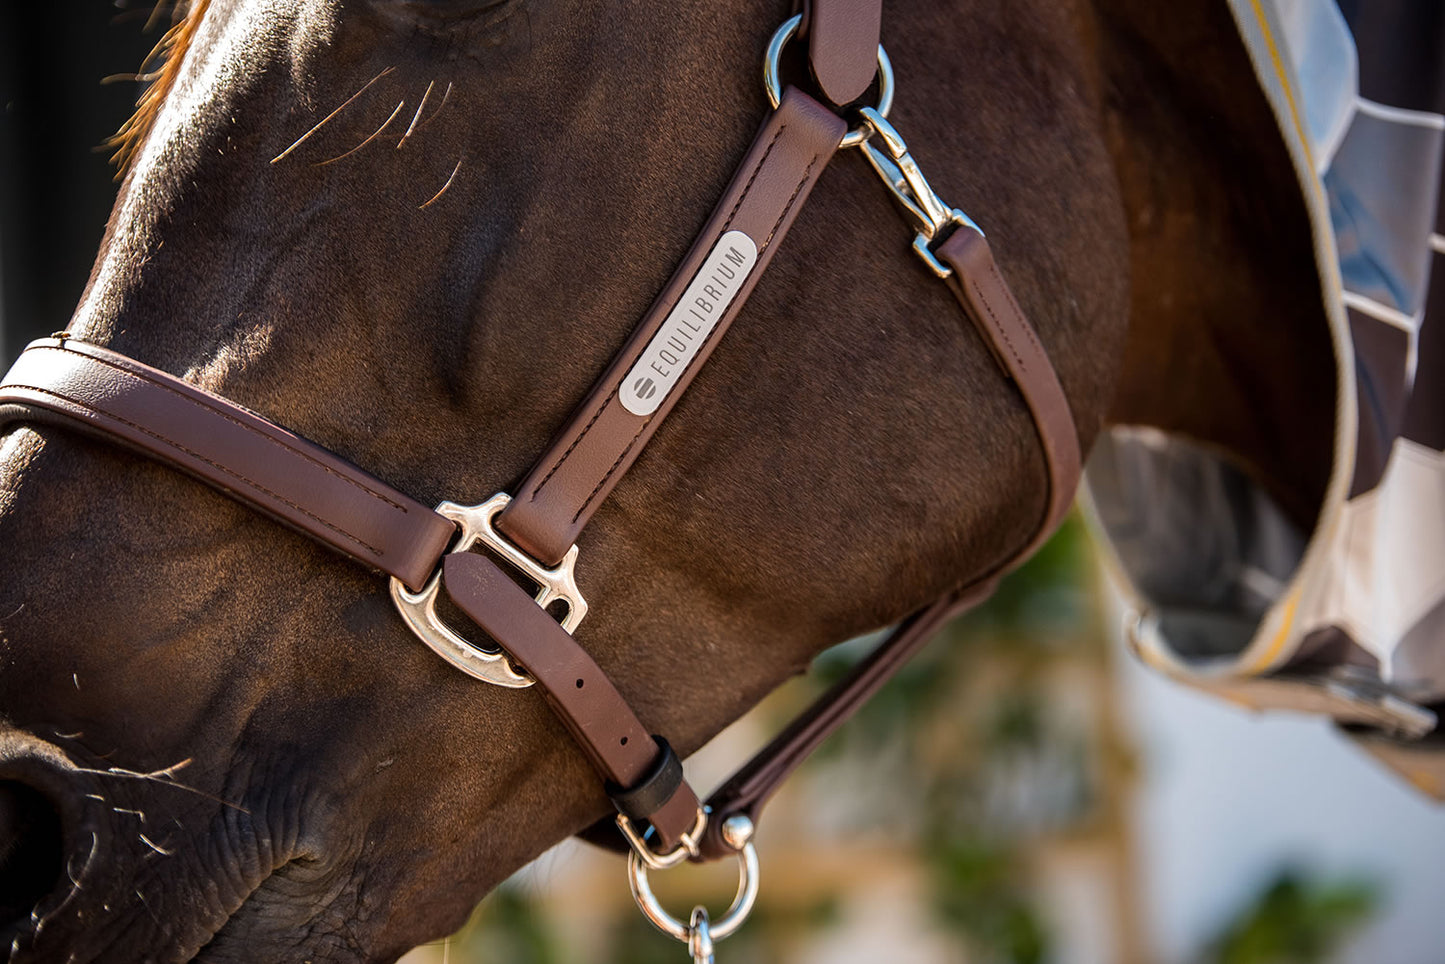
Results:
<point x="929" y="214"/>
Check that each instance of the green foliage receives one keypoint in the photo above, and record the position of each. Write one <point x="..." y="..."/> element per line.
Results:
<point x="1295" y="921"/>
<point x="948" y="742"/>
<point x="1043" y="601"/>
<point x="769" y="927"/>
<point x="1045" y="597"/>
<point x="979" y="895"/>
<point x="507" y="926"/>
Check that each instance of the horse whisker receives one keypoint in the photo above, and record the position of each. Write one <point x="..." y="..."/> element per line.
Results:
<point x="136" y="78"/>
<point x="445" y="95"/>
<point x="156" y="847"/>
<point x="417" y="116"/>
<point x="375" y="134"/>
<point x="155" y="15"/>
<point x="444" y="186"/>
<point x="169" y="771"/>
<point x="325" y="120"/>
<point x="159" y="776"/>
<point x="146" y="904"/>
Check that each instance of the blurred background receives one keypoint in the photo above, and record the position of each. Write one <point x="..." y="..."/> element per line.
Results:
<point x="1022" y="793"/>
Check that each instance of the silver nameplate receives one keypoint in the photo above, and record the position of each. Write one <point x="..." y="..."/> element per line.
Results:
<point x="689" y="323"/>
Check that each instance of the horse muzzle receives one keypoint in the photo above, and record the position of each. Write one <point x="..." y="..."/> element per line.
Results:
<point x="52" y="825"/>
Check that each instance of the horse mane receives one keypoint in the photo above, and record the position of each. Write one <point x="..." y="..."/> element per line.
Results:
<point x="159" y="71"/>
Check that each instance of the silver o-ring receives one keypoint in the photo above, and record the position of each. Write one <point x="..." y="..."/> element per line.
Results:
<point x="730" y="921"/>
<point x="773" y="82"/>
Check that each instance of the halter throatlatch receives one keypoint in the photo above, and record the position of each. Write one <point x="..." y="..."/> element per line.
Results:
<point x="534" y="530"/>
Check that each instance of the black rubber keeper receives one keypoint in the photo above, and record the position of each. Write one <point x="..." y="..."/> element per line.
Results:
<point x="644" y="798"/>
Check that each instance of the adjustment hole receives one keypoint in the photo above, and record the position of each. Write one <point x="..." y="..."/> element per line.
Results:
<point x="579" y="684"/>
<point x="624" y="741"/>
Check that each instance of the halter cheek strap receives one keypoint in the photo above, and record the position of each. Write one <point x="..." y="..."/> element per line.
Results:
<point x="265" y="466"/>
<point x="605" y="435"/>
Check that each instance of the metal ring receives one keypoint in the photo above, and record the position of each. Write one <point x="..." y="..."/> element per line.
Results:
<point x="736" y="913"/>
<point x="773" y="82"/>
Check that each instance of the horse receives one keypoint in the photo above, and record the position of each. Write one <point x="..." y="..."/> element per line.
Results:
<point x="414" y="233"/>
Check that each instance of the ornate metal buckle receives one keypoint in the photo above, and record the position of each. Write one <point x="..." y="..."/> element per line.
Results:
<point x="918" y="202"/>
<point x="420" y="609"/>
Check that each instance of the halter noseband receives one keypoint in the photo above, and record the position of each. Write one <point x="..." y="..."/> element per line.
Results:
<point x="534" y="530"/>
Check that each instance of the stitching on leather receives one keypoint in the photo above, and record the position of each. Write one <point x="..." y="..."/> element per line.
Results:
<point x="1008" y="293"/>
<point x="145" y="377"/>
<point x="792" y="199"/>
<point x="978" y="292"/>
<point x="199" y="457"/>
<point x="1044" y="433"/>
<point x="575" y="442"/>
<point x="702" y="349"/>
<point x="762" y="161"/>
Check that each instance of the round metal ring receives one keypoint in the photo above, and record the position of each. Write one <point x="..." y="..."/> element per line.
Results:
<point x="773" y="82"/>
<point x="729" y="922"/>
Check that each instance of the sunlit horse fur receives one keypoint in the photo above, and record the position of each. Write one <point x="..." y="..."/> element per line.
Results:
<point x="415" y="231"/>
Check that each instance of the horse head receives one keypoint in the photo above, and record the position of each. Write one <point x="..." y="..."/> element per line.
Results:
<point x="415" y="232"/>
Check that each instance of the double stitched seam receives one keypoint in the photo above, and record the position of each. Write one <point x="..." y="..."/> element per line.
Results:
<point x="1049" y="461"/>
<point x="703" y="348"/>
<point x="1050" y="387"/>
<point x="575" y="442"/>
<point x="1028" y="329"/>
<point x="251" y="429"/>
<point x="762" y="162"/>
<point x="611" y="396"/>
<point x="995" y="324"/>
<point x="200" y="458"/>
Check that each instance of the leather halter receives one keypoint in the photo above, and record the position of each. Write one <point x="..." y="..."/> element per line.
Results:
<point x="78" y="385"/>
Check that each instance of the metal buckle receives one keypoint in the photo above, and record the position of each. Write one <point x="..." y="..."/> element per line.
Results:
<point x="773" y="82"/>
<point x="700" y="932"/>
<point x="687" y="848"/>
<point x="929" y="214"/>
<point x="419" y="610"/>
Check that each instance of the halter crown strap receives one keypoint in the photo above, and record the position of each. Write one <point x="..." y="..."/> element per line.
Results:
<point x="842" y="38"/>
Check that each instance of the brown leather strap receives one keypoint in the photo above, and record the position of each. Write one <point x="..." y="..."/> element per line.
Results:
<point x="842" y="38"/>
<point x="987" y="301"/>
<point x="263" y="465"/>
<point x="751" y="786"/>
<point x="577" y="689"/>
<point x="602" y="438"/>
<point x="992" y="308"/>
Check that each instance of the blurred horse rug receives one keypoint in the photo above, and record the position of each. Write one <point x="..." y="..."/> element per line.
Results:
<point x="1230" y="595"/>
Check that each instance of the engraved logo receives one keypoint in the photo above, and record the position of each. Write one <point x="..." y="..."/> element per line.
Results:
<point x="689" y="324"/>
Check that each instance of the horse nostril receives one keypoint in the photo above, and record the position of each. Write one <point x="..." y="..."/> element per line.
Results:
<point x="31" y="848"/>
